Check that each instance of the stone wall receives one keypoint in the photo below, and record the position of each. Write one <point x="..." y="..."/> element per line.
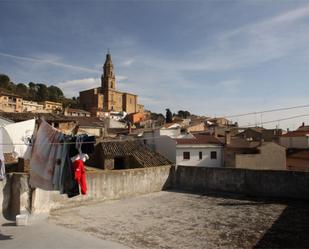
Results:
<point x="257" y="183"/>
<point x="16" y="194"/>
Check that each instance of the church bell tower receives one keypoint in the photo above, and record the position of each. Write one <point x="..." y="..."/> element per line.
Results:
<point x="108" y="77"/>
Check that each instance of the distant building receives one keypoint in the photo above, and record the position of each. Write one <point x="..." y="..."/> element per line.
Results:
<point x="51" y="106"/>
<point x="295" y="140"/>
<point x="260" y="133"/>
<point x="106" y="98"/>
<point x="65" y="124"/>
<point x="93" y="126"/>
<point x="76" y="112"/>
<point x="10" y="102"/>
<point x="32" y="106"/>
<point x="303" y="127"/>
<point x="136" y="117"/>
<point x="242" y="153"/>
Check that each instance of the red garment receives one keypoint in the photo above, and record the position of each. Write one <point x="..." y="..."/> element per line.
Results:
<point x="80" y="175"/>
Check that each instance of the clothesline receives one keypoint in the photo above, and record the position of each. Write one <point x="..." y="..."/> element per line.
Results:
<point x="46" y="143"/>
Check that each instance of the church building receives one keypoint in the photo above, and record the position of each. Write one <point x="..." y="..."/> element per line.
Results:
<point x="106" y="98"/>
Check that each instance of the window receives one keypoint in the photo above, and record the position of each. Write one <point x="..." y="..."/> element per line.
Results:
<point x="186" y="155"/>
<point x="213" y="155"/>
<point x="200" y="155"/>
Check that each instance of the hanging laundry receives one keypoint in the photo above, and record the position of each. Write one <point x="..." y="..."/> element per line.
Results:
<point x="17" y="138"/>
<point x="44" y="156"/>
<point x="56" y="161"/>
<point x="67" y="183"/>
<point x="84" y="144"/>
<point x="2" y="164"/>
<point x="80" y="175"/>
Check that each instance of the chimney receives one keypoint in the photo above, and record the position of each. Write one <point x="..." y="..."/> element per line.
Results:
<point x="227" y="137"/>
<point x="303" y="124"/>
<point x="215" y="132"/>
<point x="129" y="127"/>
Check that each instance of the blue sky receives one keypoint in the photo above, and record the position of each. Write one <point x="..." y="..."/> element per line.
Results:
<point x="211" y="58"/>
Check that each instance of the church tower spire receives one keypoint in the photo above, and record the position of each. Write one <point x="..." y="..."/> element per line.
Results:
<point x="108" y="77"/>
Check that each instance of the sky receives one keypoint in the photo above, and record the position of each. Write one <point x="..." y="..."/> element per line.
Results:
<point x="212" y="58"/>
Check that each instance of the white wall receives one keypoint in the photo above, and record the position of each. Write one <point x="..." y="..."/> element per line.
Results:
<point x="166" y="146"/>
<point x="173" y="132"/>
<point x="295" y="142"/>
<point x="194" y="160"/>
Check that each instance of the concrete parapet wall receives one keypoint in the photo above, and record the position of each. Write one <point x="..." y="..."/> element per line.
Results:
<point x="15" y="195"/>
<point x="258" y="183"/>
<point x="107" y="185"/>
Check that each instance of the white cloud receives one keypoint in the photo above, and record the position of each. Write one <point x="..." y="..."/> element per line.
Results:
<point x="128" y="63"/>
<point x="51" y="61"/>
<point x="120" y="78"/>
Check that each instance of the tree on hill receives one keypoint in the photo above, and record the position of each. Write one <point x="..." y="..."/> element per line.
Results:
<point x="4" y="81"/>
<point x="55" y="93"/>
<point x="168" y="116"/>
<point x="42" y="92"/>
<point x="22" y="90"/>
<point x="183" y="114"/>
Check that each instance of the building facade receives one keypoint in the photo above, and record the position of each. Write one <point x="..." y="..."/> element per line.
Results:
<point x="107" y="98"/>
<point x="50" y="106"/>
<point x="10" y="102"/>
<point x="32" y="106"/>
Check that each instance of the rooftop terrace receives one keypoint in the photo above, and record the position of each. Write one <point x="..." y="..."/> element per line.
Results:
<point x="183" y="220"/>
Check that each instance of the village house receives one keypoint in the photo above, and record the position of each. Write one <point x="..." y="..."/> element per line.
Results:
<point x="51" y="106"/>
<point x="196" y="126"/>
<point x="202" y="150"/>
<point x="242" y="153"/>
<point x="303" y="127"/>
<point x="111" y="155"/>
<point x="260" y="134"/>
<point x="295" y="140"/>
<point x="186" y="150"/>
<point x="297" y="145"/>
<point x="32" y="106"/>
<point x="10" y="102"/>
<point x="92" y="126"/>
<point x="76" y="112"/>
<point x="65" y="124"/>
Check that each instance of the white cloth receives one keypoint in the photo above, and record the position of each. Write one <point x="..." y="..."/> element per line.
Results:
<point x="17" y="138"/>
<point x="82" y="156"/>
<point x="44" y="156"/>
<point x="2" y="165"/>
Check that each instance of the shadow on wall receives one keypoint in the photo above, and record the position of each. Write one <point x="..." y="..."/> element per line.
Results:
<point x="290" y="230"/>
<point x="6" y="193"/>
<point x="170" y="181"/>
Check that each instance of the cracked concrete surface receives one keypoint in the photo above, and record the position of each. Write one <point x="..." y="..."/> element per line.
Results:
<point x="183" y="220"/>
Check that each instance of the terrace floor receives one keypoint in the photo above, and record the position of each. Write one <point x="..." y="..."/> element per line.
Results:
<point x="183" y="220"/>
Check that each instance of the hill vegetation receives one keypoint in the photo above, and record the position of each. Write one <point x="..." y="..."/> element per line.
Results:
<point x="36" y="91"/>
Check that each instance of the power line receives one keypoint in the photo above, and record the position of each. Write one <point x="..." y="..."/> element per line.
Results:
<point x="266" y="111"/>
<point x="282" y="119"/>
